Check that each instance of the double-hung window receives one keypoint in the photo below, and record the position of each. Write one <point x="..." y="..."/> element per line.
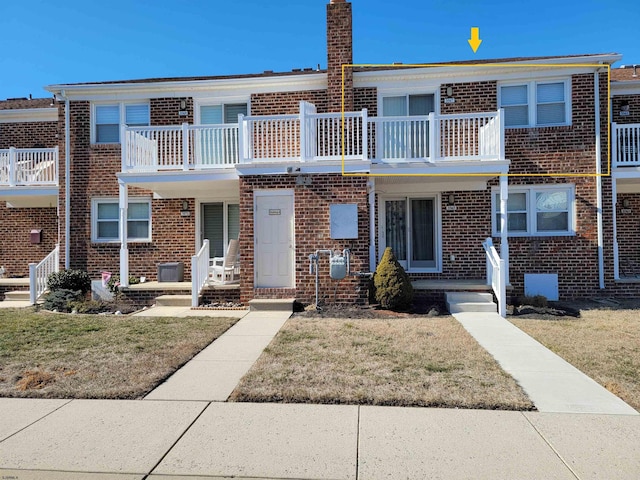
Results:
<point x="108" y="118"/>
<point x="105" y="215"/>
<point x="536" y="103"/>
<point x="537" y="211"/>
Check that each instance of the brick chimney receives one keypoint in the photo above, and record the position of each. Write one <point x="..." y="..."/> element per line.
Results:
<point x="339" y="52"/>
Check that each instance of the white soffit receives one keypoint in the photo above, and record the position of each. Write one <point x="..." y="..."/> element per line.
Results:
<point x="29" y="115"/>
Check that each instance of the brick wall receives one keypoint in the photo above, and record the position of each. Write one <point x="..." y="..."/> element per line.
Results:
<point x="470" y="97"/>
<point x="312" y="232"/>
<point x="339" y="52"/>
<point x="629" y="234"/>
<point x="93" y="174"/>
<point x="634" y="108"/>
<point x="28" y="135"/>
<point x="16" y="251"/>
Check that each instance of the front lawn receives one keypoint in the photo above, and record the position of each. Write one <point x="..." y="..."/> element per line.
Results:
<point x="412" y="361"/>
<point x="51" y="355"/>
<point x="603" y="343"/>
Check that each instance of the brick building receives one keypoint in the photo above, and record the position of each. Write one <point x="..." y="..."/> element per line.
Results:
<point x="430" y="161"/>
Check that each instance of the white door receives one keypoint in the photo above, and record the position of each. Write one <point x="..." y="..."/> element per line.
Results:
<point x="273" y="233"/>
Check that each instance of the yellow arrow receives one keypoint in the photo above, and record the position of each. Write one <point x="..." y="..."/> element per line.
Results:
<point x="475" y="41"/>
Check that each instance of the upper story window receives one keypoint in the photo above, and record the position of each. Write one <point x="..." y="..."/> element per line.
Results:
<point x="536" y="103"/>
<point x="219" y="114"/>
<point x="541" y="210"/>
<point x="108" y="118"/>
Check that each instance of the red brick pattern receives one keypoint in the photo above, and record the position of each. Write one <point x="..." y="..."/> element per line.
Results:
<point x="629" y="234"/>
<point x="312" y="232"/>
<point x="28" y="135"/>
<point x="339" y="52"/>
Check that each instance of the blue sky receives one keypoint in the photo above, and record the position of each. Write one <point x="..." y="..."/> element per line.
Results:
<point x="71" y="41"/>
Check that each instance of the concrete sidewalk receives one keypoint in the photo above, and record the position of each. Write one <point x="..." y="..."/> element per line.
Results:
<point x="552" y="384"/>
<point x="98" y="439"/>
<point x="213" y="373"/>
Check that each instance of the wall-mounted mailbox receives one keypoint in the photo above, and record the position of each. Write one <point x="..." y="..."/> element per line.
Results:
<point x="35" y="236"/>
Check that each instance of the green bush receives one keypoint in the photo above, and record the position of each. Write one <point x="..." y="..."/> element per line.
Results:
<point x="62" y="299"/>
<point x="75" y="280"/>
<point x="114" y="282"/>
<point x="392" y="284"/>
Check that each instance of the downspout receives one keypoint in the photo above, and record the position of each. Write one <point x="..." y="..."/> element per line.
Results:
<point x="67" y="181"/>
<point x="596" y="91"/>
<point x="371" y="184"/>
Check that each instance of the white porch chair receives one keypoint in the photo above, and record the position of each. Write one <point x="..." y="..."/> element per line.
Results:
<point x="226" y="269"/>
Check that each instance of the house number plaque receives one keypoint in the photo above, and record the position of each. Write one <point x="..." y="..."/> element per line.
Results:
<point x="274" y="211"/>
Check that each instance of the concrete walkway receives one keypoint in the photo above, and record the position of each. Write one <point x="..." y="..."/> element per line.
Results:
<point x="551" y="383"/>
<point x="129" y="439"/>
<point x="213" y="373"/>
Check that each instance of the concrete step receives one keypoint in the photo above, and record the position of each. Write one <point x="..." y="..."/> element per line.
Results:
<point x="17" y="296"/>
<point x="173" y="301"/>
<point x="271" y="305"/>
<point x="463" y="297"/>
<point x="472" y="307"/>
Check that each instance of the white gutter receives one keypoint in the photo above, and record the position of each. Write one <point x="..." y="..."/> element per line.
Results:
<point x="372" y="224"/>
<point x="596" y="91"/>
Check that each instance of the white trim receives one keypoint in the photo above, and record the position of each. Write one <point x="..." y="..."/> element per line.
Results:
<point x="531" y="211"/>
<point x="94" y="219"/>
<point x="122" y="112"/>
<point x="221" y="101"/>
<point x="23" y="115"/>
<point x="532" y="101"/>
<point x="382" y="243"/>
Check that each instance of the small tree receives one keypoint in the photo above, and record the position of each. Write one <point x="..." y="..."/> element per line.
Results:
<point x="393" y="287"/>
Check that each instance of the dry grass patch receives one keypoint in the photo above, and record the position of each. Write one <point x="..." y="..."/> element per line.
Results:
<point x="416" y="361"/>
<point x="603" y="343"/>
<point x="88" y="356"/>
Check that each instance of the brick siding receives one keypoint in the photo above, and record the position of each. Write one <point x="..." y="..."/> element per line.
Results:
<point x="339" y="52"/>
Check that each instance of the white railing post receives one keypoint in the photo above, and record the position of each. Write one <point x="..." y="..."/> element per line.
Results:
<point x="12" y="166"/>
<point x="487" y="244"/>
<point x="124" y="146"/>
<point x="365" y="135"/>
<point x="502" y="296"/>
<point x="241" y="139"/>
<point x="199" y="272"/>
<point x="614" y="144"/>
<point x="433" y="137"/>
<point x="195" y="281"/>
<point x="185" y="146"/>
<point x="303" y="132"/>
<point x="500" y="126"/>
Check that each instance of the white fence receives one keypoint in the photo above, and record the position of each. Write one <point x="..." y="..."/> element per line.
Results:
<point x="625" y="145"/>
<point x="29" y="166"/>
<point x="310" y="136"/>
<point x="496" y="275"/>
<point x="199" y="272"/>
<point x="39" y="274"/>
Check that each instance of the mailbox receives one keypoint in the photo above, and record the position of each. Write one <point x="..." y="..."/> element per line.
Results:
<point x="35" y="236"/>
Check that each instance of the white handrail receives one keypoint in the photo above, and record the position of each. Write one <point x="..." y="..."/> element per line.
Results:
<point x="199" y="272"/>
<point x="496" y="275"/>
<point x="39" y="274"/>
<point x="29" y="166"/>
<point x="625" y="148"/>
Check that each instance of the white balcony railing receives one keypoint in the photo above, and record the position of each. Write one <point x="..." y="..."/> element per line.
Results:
<point x="496" y="275"/>
<point x="39" y="274"/>
<point x="311" y="137"/>
<point x="625" y="145"/>
<point x="199" y="272"/>
<point x="29" y="166"/>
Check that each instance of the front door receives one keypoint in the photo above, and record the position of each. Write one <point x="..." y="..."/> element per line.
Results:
<point x="273" y="234"/>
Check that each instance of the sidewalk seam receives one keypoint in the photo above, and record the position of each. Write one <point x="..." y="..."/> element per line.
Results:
<point x="36" y="421"/>
<point x="358" y="443"/>
<point x="177" y="440"/>
<point x="573" y="472"/>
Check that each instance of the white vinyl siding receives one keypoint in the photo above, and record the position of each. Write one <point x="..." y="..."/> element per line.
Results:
<point x="105" y="220"/>
<point x="537" y="211"/>
<point x="536" y="104"/>
<point x="107" y="120"/>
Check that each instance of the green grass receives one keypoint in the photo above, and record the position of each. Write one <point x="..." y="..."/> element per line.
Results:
<point x="95" y="356"/>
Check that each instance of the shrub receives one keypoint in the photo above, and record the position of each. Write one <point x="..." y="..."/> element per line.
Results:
<point x="392" y="284"/>
<point x="114" y="282"/>
<point x="62" y="299"/>
<point x="75" y="280"/>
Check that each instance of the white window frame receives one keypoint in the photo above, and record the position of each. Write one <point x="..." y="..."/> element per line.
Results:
<point x="221" y="102"/>
<point x="94" y="220"/>
<point x="532" y="102"/>
<point x="382" y="228"/>
<point x="122" y="112"/>
<point x="530" y="192"/>
<point x="225" y="219"/>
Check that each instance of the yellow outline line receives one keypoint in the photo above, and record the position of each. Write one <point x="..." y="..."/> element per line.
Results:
<point x="517" y="65"/>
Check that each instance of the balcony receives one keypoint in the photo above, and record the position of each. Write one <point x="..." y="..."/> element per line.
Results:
<point x="317" y="138"/>
<point x="625" y="145"/>
<point x="29" y="177"/>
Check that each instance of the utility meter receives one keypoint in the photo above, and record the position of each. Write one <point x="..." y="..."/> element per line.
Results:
<point x="338" y="267"/>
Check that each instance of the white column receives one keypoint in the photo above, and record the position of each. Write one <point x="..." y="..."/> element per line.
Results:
<point x="614" y="218"/>
<point x="185" y="146"/>
<point x="124" y="250"/>
<point x="365" y="135"/>
<point x="303" y="132"/>
<point x="12" y="166"/>
<point x="504" y="242"/>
